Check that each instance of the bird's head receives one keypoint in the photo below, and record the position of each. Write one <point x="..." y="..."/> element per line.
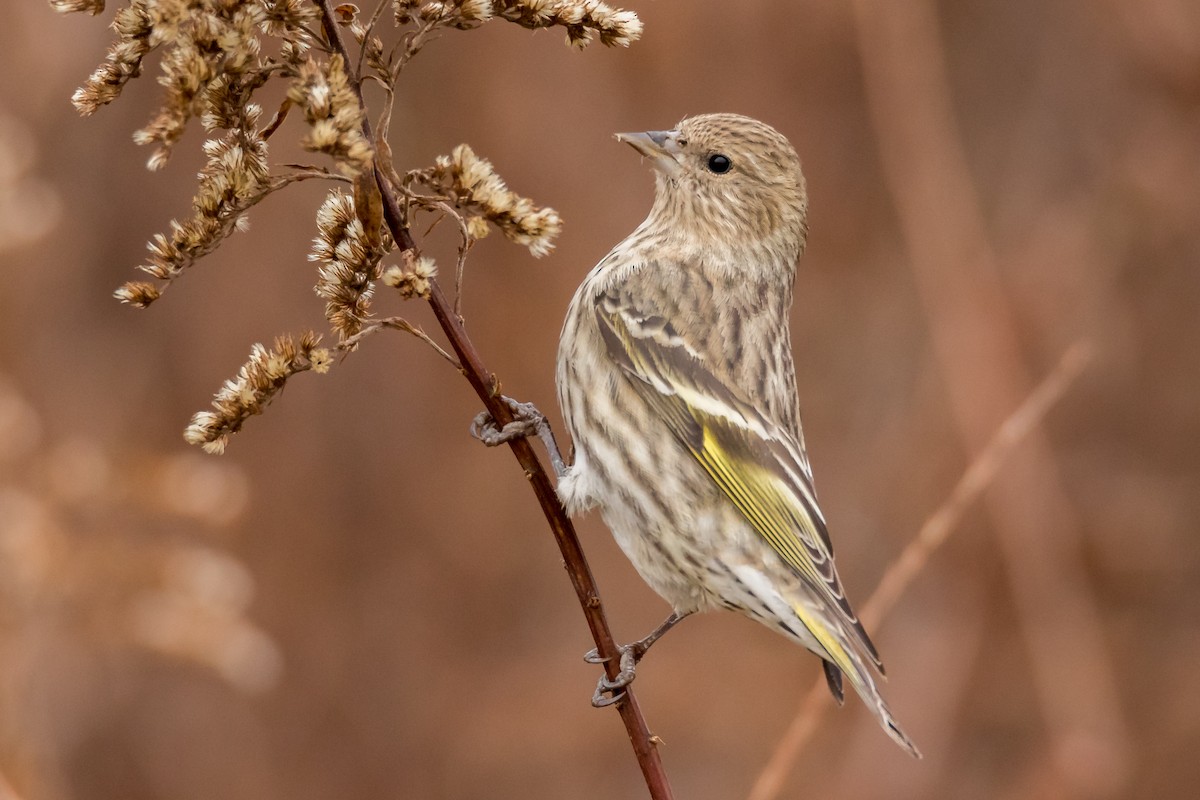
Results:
<point x="729" y="178"/>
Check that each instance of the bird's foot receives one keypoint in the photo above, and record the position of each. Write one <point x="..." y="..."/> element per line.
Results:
<point x="527" y="421"/>
<point x="610" y="690"/>
<point x="631" y="654"/>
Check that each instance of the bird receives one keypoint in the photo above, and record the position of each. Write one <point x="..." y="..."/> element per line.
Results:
<point x="677" y="385"/>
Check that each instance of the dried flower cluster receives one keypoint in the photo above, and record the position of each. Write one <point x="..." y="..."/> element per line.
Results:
<point x="214" y="57"/>
<point x="350" y="263"/>
<point x="584" y="20"/>
<point x="471" y="183"/>
<point x="333" y="113"/>
<point x="210" y="66"/>
<point x="233" y="180"/>
<point x="212" y="48"/>
<point x="211" y="61"/>
<point x="257" y="383"/>
<point x="124" y="59"/>
<point x="411" y="280"/>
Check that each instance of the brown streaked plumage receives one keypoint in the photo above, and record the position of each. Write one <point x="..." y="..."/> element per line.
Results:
<point x="676" y="380"/>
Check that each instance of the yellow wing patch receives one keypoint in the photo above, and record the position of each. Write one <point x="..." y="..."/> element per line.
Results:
<point x="756" y="493"/>
<point x="829" y="641"/>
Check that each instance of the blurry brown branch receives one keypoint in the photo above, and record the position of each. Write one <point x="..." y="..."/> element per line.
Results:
<point x="933" y="533"/>
<point x="7" y="792"/>
<point x="974" y="332"/>
<point x="487" y="385"/>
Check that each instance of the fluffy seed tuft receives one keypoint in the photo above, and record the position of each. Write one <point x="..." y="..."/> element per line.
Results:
<point x="350" y="263"/>
<point x="257" y="383"/>
<point x="333" y="113"/>
<point x="413" y="279"/>
<point x="472" y="184"/>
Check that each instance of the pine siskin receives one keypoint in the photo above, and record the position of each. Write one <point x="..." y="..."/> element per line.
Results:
<point x="676" y="380"/>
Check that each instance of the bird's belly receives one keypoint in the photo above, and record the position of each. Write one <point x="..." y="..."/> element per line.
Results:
<point x="677" y="529"/>
<point x="705" y="556"/>
<point x="669" y="554"/>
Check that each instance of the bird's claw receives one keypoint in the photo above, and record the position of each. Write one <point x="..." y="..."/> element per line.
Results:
<point x="614" y="687"/>
<point x="527" y="421"/>
<point x="600" y="700"/>
<point x="631" y="654"/>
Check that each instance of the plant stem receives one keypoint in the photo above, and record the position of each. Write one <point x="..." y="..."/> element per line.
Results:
<point x="487" y="386"/>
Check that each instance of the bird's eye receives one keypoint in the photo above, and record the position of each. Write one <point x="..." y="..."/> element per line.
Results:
<point x="719" y="163"/>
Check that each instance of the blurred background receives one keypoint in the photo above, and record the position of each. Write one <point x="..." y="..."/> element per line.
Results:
<point x="358" y="600"/>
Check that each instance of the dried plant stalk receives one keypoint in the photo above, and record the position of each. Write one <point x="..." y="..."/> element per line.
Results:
<point x="933" y="533"/>
<point x="975" y="337"/>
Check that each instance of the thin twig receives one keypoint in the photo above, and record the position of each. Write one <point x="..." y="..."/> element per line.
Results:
<point x="933" y="533"/>
<point x="487" y="386"/>
<point x="413" y="42"/>
<point x="305" y="174"/>
<point x="463" y="249"/>
<point x="362" y="51"/>
<point x="977" y="341"/>
<point x="432" y="225"/>
<point x="398" y="324"/>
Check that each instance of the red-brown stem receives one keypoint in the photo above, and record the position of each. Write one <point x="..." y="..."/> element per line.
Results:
<point x="487" y="386"/>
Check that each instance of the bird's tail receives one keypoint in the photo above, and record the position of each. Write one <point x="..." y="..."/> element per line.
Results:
<point x="840" y="650"/>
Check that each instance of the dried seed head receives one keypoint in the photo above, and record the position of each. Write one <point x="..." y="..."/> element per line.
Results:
<point x="405" y="10"/>
<point x="582" y="19"/>
<point x="372" y="46"/>
<point x="124" y="61"/>
<point x="202" y="41"/>
<point x="477" y="228"/>
<point x="334" y="115"/>
<point x="289" y="18"/>
<point x="476" y="10"/>
<point x="412" y="279"/>
<point x="258" y="381"/>
<point x="234" y="179"/>
<point x="350" y="263"/>
<point x="462" y="14"/>
<point x="137" y="293"/>
<point x="321" y="360"/>
<point x="474" y="185"/>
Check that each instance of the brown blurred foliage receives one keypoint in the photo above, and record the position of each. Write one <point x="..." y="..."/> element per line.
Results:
<point x="357" y="600"/>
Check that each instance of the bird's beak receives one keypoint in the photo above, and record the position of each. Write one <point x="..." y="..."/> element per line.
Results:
<point x="661" y="147"/>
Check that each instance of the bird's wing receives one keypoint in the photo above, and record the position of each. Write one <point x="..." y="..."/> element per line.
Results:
<point x="757" y="464"/>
